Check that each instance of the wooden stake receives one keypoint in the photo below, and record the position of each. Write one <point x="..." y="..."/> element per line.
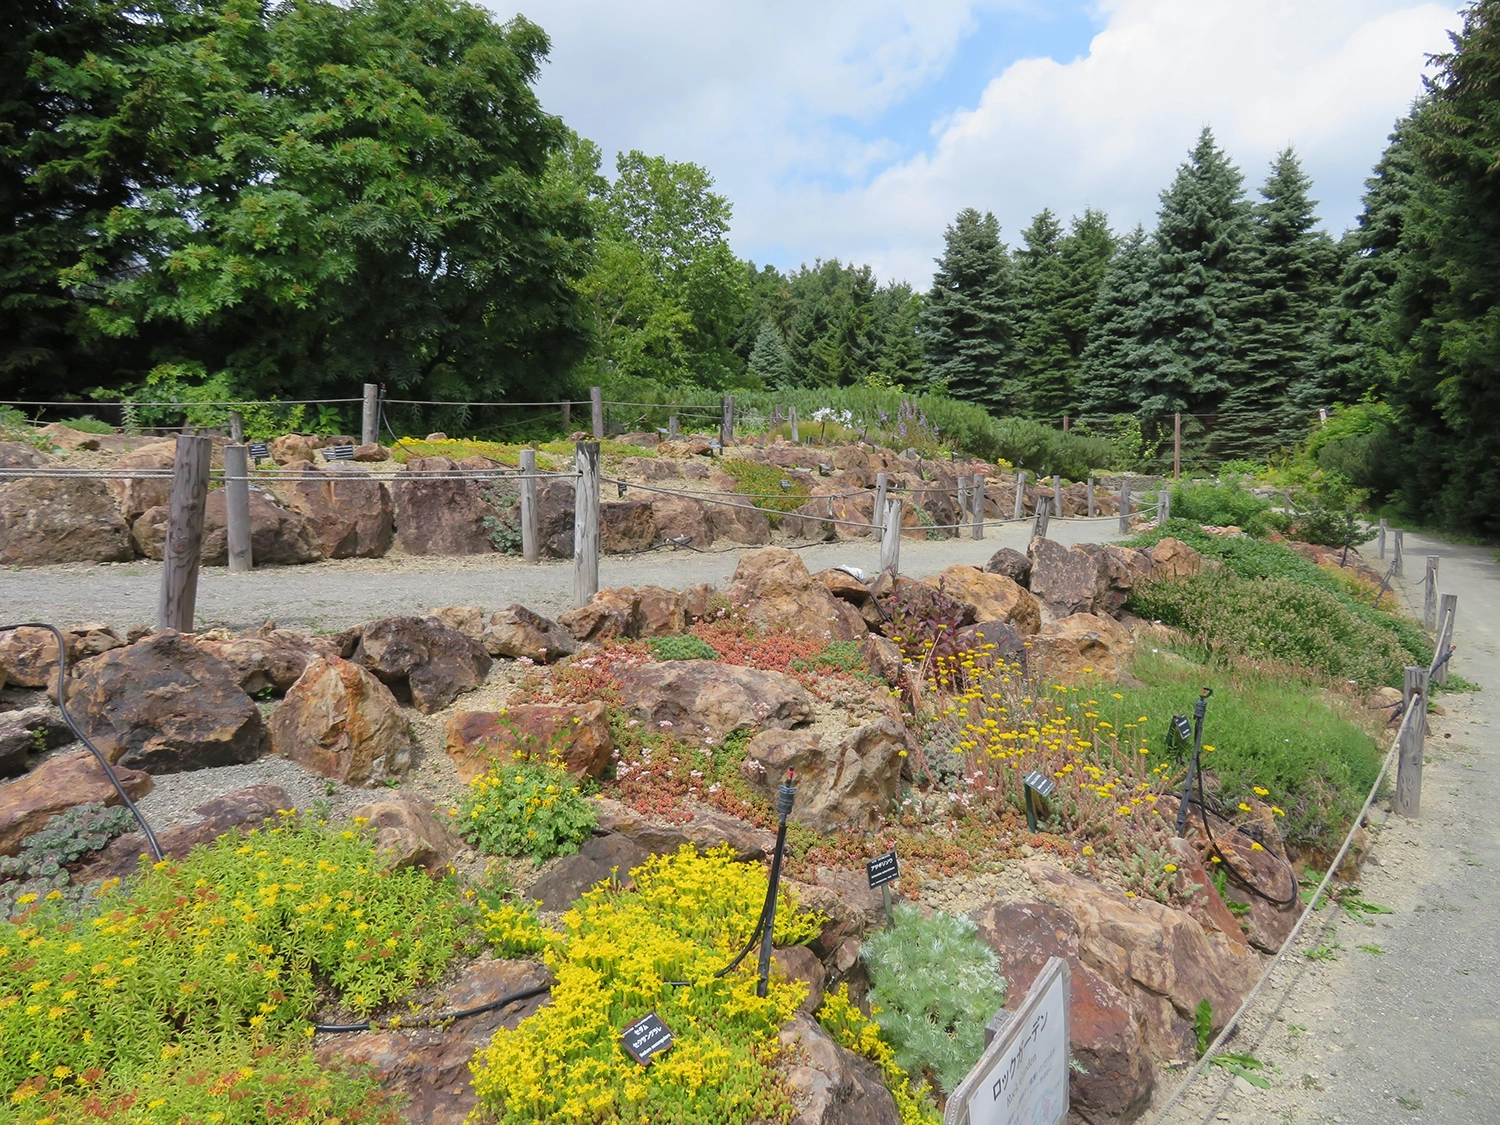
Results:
<point x="1057" y="494"/>
<point x="1163" y="506"/>
<point x="1380" y="538"/>
<point x="1039" y="521"/>
<point x="1090" y="495"/>
<point x="1020" y="494"/>
<point x="963" y="501"/>
<point x="567" y="415"/>
<point x="1447" y="615"/>
<point x="237" y="507"/>
<point x="726" y="421"/>
<point x="672" y="430"/>
<point x="1125" y="508"/>
<point x="976" y="495"/>
<point x="531" y="547"/>
<point x="596" y="400"/>
<point x="1397" y="554"/>
<point x="1413" y="735"/>
<point x="1176" y="446"/>
<point x="1429" y="592"/>
<point x="877" y="513"/>
<point x="792" y="415"/>
<point x="236" y="427"/>
<point x="179" y="578"/>
<point x="369" y="426"/>
<point x="586" y="523"/>
<point x="890" y="543"/>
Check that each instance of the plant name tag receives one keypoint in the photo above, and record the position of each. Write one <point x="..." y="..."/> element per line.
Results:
<point x="883" y="869"/>
<point x="339" y="453"/>
<point x="647" y="1036"/>
<point x="1184" y="728"/>
<point x="1040" y="784"/>
<point x="259" y="450"/>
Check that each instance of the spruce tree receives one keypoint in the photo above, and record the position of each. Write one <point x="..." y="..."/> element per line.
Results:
<point x="769" y="362"/>
<point x="1107" y="376"/>
<point x="1286" y="277"/>
<point x="1186" y="355"/>
<point x="969" y="321"/>
<point x="1043" y="357"/>
<point x="1086" y="254"/>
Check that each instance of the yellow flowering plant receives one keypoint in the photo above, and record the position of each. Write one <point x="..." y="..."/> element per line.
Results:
<point x="850" y="1028"/>
<point x="525" y="808"/>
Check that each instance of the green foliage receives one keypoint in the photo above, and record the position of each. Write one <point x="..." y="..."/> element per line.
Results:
<point x="851" y="1029"/>
<point x="88" y="424"/>
<point x="1203" y="1025"/>
<point x="685" y="917"/>
<point x="763" y="482"/>
<point x="933" y="986"/>
<point x="1223" y="504"/>
<point x="237" y="940"/>
<point x="67" y="837"/>
<point x="525" y="808"/>
<point x="684" y="646"/>
<point x="838" y="656"/>
<point x="969" y="323"/>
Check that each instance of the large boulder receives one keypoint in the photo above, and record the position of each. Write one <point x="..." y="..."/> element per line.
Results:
<point x="277" y="537"/>
<point x="244" y="808"/>
<point x="57" y="785"/>
<point x="140" y="494"/>
<point x="267" y="661"/>
<point x="349" y="513"/>
<point x="1116" y="1078"/>
<point x="340" y="722"/>
<point x="1012" y="564"/>
<point x="773" y="589"/>
<point x="993" y="596"/>
<point x="578" y="733"/>
<point x="601" y="859"/>
<point x="610" y="613"/>
<point x="1119" y="570"/>
<point x="702" y="699"/>
<point x="704" y="829"/>
<point x="682" y="518"/>
<point x="829" y="1084"/>
<point x="438" y="514"/>
<point x="164" y="705"/>
<point x="658" y="612"/>
<point x="554" y="516"/>
<point x="518" y="632"/>
<point x="1065" y="580"/>
<point x="1172" y="558"/>
<point x="626" y="525"/>
<point x="410" y="832"/>
<point x="844" y="785"/>
<point x="832" y="516"/>
<point x="28" y="657"/>
<point x="49" y="520"/>
<point x="739" y="521"/>
<point x="291" y="448"/>
<point x="1081" y="644"/>
<point x="422" y="659"/>
<point x="19" y="455"/>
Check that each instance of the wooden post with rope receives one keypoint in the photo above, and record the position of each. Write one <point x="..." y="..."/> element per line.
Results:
<point x="237" y="507"/>
<point x="976" y="496"/>
<point x="596" y="401"/>
<point x="531" y="547"/>
<point x="586" y="523"/>
<point x="369" y="423"/>
<point x="184" y="542"/>
<point x="890" y="541"/>
<point x="1408" y="801"/>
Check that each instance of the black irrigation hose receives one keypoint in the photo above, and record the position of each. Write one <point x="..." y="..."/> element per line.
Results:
<point x="62" y="705"/>
<point x="441" y="1017"/>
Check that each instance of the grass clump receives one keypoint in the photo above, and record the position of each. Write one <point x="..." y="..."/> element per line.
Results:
<point x="685" y="917"/>
<point x="685" y="646"/>
<point x="764" y="483"/>
<point x="525" y="808"/>
<point x="933" y="986"/>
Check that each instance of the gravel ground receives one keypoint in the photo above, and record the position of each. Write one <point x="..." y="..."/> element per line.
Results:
<point x="329" y="596"/>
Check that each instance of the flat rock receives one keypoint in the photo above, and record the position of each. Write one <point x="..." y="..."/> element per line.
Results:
<point x="578" y="732"/>
<point x="49" y="520"/>
<point x="57" y="785"/>
<point x="704" y="829"/>
<point x="703" y="699"/>
<point x="843" y="784"/>
<point x="519" y="632"/>
<point x="340" y="722"/>
<point x="422" y="659"/>
<point x="608" y="858"/>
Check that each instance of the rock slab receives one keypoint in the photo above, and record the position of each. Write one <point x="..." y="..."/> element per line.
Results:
<point x="579" y="733"/>
<point x="55" y="786"/>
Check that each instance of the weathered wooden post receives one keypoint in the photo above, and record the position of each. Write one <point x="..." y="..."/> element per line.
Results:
<point x="586" y="522"/>
<point x="672" y="430"/>
<point x="236" y="427"/>
<point x="726" y="421"/>
<point x="1039" y="522"/>
<point x="179" y="577"/>
<point x="792" y="417"/>
<point x="567" y="415"/>
<point x="976" y="495"/>
<point x="1057" y="493"/>
<point x="596" y="401"/>
<point x="1163" y="506"/>
<point x="1380" y="538"/>
<point x="237" y="507"/>
<point x="1447" y="615"/>
<point x="531" y="548"/>
<point x="890" y="542"/>
<point x="1398" y="558"/>
<point x="877" y="513"/>
<point x="1429" y="592"/>
<point x="1176" y="446"/>
<point x="1020" y="494"/>
<point x="1411" y="737"/>
<point x="369" y="423"/>
<point x="963" y="502"/>
<point x="1089" y="494"/>
<point x="1125" y="508"/>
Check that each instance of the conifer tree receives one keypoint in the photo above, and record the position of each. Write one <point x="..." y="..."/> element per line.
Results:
<point x="1108" y="364"/>
<point x="968" y="323"/>
<point x="1086" y="254"/>
<point x="1043" y="357"/>
<point x="769" y="362"/>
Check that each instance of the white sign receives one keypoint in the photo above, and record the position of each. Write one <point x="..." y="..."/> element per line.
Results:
<point x="1022" y="1077"/>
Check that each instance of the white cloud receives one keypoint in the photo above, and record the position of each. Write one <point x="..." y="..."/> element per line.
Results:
<point x="762" y="94"/>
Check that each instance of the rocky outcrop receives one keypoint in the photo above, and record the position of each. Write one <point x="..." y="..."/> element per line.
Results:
<point x="1120" y="570"/>
<point x="19" y="455"/>
<point x="349" y="513"/>
<point x="422" y="659"/>
<point x="626" y="525"/>
<point x="578" y="733"/>
<point x="1172" y="558"/>
<point x="436" y="514"/>
<point x="607" y="858"/>
<point x="57" y="785"/>
<point x="829" y="1084"/>
<point x="268" y="661"/>
<point x="141" y="494"/>
<point x="682" y="518"/>
<point x="1065" y="580"/>
<point x="288" y="449"/>
<point x="340" y="722"/>
<point x="993" y="596"/>
<point x="1011" y="564"/>
<point x="46" y="521"/>
<point x="1081" y="644"/>
<point x="658" y="612"/>
<point x="610" y="613"/>
<point x="554" y="516"/>
<point x="772" y="588"/>
<point x="704" y="829"/>
<point x="518" y="632"/>
<point x="467" y="619"/>
<point x="701" y="699"/>
<point x="244" y="808"/>
<point x="164" y="704"/>
<point x="846" y="784"/>
<point x="277" y="537"/>
<point x="410" y="832"/>
<point x="27" y="731"/>
<point x="739" y="522"/>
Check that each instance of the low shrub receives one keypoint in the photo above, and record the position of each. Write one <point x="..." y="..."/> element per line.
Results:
<point x="684" y="646"/>
<point x="525" y="808"/>
<point x="1222" y="504"/>
<point x="763" y="483"/>
<point x="933" y="986"/>
<point x="685" y="917"/>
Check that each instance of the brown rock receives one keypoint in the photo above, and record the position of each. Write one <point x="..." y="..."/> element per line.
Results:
<point x="19" y="455"/>
<point x="1192" y="882"/>
<point x="601" y="859"/>
<point x="993" y="596"/>
<point x="30" y="729"/>
<point x="410" y="832"/>
<point x="49" y="520"/>
<point x="428" y="1068"/>
<point x="1064" y="580"/>
<point x="423" y="659"/>
<point x="704" y="829"/>
<point x="702" y="699"/>
<point x="1117" y="1078"/>
<point x="1172" y="558"/>
<point x="65" y="437"/>
<point x="776" y="592"/>
<point x="295" y="447"/>
<point x="55" y="786"/>
<point x="1081" y="644"/>
<point x="884" y="658"/>
<point x="271" y="660"/>
<point x="554" y="516"/>
<point x="830" y="1085"/>
<point x="797" y="962"/>
<point x="338" y="721"/>
<point x="699" y="602"/>
<point x="999" y="639"/>
<point x="467" y="619"/>
<point x="142" y="494"/>
<point x="842" y="584"/>
<point x="649" y="470"/>
<point x="348" y="512"/>
<point x="610" y="613"/>
<point x="739" y="522"/>
<point x="164" y="704"/>
<point x="518" y="632"/>
<point x="659" y="612"/>
<point x="626" y="525"/>
<point x="438" y="515"/>
<point x="277" y="537"/>
<point x="28" y="658"/>
<point x="682" y="518"/>
<point x="1011" y="564"/>
<point x="832" y="517"/>
<point x="847" y="784"/>
<point x="371" y="452"/>
<point x="579" y="734"/>
<point x="1119" y="570"/>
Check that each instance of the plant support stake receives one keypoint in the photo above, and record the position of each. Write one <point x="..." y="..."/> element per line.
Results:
<point x="786" y="795"/>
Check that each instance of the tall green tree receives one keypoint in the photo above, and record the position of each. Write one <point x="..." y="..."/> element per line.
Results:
<point x="1287" y="277"/>
<point x="1447" y="301"/>
<point x="968" y="324"/>
<point x="1043" y="358"/>
<point x="834" y="339"/>
<point x="770" y="366"/>
<point x="1109" y="362"/>
<point x="898" y="314"/>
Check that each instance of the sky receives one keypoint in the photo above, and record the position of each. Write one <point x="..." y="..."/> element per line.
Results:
<point x="857" y="129"/>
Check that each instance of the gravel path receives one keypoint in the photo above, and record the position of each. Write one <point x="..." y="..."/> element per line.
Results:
<point x="1407" y="1028"/>
<point x="329" y="596"/>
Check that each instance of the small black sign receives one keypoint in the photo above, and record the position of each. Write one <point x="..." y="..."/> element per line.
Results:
<point x="339" y="453"/>
<point x="647" y="1036"/>
<point x="882" y="869"/>
<point x="1040" y="784"/>
<point x="259" y="450"/>
<point x="1184" y="728"/>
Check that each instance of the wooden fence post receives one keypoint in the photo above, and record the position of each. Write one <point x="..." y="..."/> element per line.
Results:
<point x="963" y="503"/>
<point x="1412" y="737"/>
<point x="586" y="522"/>
<point x="726" y="421"/>
<point x="237" y="507"/>
<point x="1176" y="446"/>
<point x="1057" y="493"/>
<point x="369" y="424"/>
<point x="890" y="540"/>
<point x="1020" y="494"/>
<point x="596" y="400"/>
<point x="236" y="427"/>
<point x="1429" y="592"/>
<point x="1089" y="494"/>
<point x="179" y="577"/>
<point x="1163" y="506"/>
<point x="792" y="417"/>
<point x="877" y="513"/>
<point x="531" y="549"/>
<point x="976" y="496"/>
<point x="1447" y="615"/>
<point x="672" y="430"/>
<point x="567" y="415"/>
<point x="1397" y="555"/>
<point x="1125" y="508"/>
<point x="1039" y="521"/>
<point x="1380" y="538"/>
